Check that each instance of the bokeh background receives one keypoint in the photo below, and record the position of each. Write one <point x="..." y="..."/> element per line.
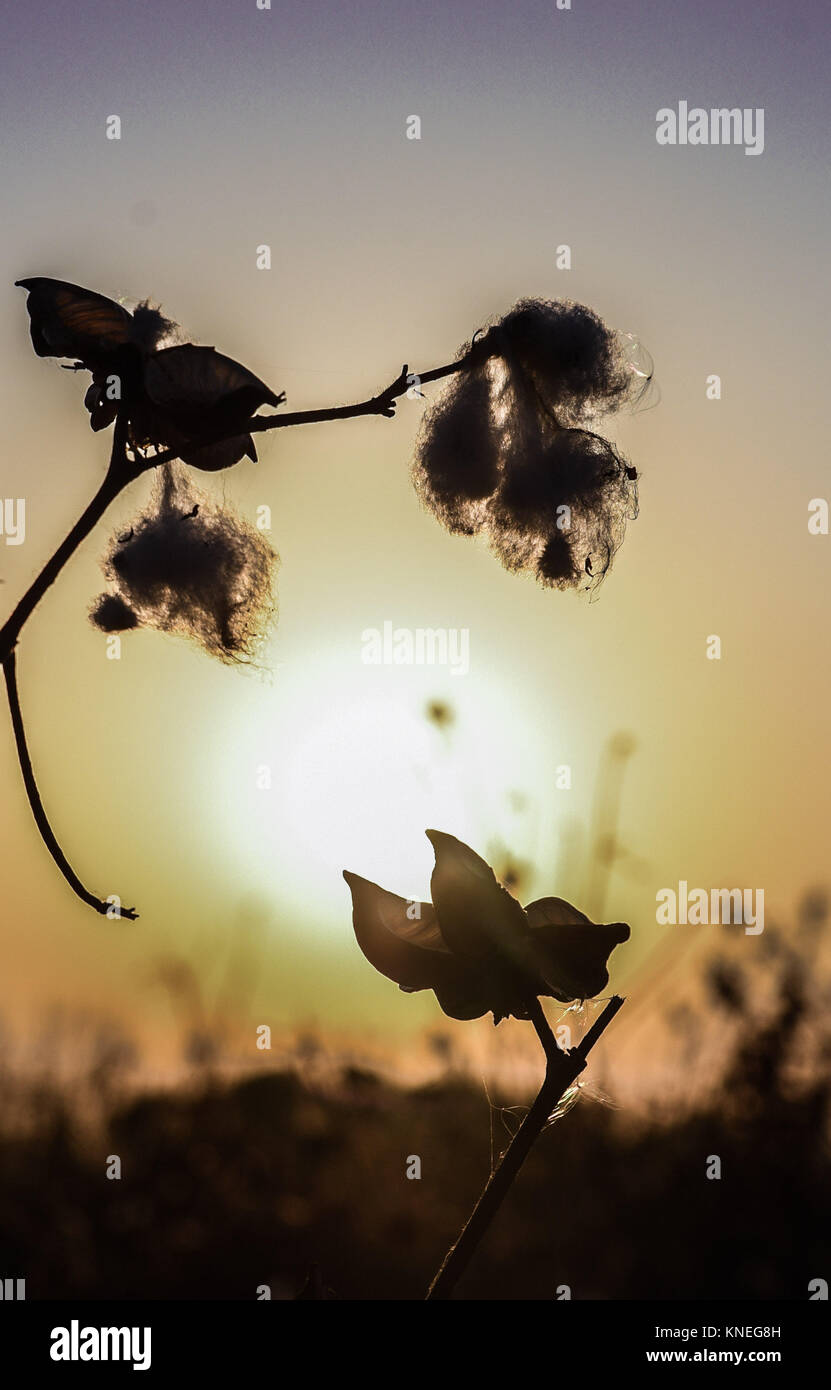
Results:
<point x="287" y="127"/>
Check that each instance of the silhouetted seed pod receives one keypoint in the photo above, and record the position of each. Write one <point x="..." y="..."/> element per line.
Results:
<point x="474" y="945"/>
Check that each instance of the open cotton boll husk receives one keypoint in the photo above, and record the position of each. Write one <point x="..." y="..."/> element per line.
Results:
<point x="192" y="567"/>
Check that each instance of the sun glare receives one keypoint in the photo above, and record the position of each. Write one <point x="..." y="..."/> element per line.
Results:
<point x="354" y="783"/>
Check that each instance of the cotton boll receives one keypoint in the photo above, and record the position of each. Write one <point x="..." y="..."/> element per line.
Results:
<point x="503" y="453"/>
<point x="190" y="567"/>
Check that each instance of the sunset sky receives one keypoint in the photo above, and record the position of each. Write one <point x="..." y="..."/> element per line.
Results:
<point x="287" y="127"/>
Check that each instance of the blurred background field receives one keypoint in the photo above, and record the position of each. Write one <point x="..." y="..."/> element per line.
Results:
<point x="244" y="1167"/>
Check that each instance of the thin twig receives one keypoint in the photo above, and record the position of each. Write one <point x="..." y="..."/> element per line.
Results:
<point x="561" y="1070"/>
<point x="101" y="905"/>
<point x="382" y="404"/>
<point x="121" y="472"/>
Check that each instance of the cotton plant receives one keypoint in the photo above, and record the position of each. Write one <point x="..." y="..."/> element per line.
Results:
<point x="481" y="952"/>
<point x="509" y="451"/>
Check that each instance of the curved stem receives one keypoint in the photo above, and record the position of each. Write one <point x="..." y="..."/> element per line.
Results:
<point x="561" y="1070"/>
<point x="118" y="475"/>
<point x="41" y="820"/>
<point x="120" y="472"/>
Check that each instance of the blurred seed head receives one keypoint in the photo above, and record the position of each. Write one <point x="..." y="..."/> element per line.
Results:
<point x="440" y="713"/>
